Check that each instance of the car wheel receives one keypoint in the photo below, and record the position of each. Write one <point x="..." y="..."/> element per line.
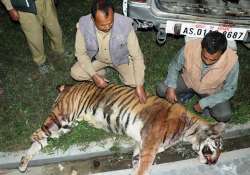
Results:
<point x="161" y="37"/>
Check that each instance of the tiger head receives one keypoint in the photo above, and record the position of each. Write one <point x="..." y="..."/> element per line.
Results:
<point x="208" y="143"/>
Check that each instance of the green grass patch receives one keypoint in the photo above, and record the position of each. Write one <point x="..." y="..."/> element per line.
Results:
<point x="28" y="99"/>
<point x="81" y="135"/>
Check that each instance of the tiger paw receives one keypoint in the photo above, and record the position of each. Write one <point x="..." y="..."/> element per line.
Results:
<point x="135" y="161"/>
<point x="23" y="164"/>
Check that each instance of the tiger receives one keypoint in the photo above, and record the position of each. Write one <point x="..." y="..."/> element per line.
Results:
<point x="154" y="125"/>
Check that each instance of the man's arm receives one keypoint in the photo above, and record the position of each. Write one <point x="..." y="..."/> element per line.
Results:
<point x="170" y="82"/>
<point x="85" y="60"/>
<point x="7" y="4"/>
<point x="81" y="54"/>
<point x="174" y="69"/>
<point x="139" y="66"/>
<point x="11" y="10"/>
<point x="226" y="92"/>
<point x="137" y="56"/>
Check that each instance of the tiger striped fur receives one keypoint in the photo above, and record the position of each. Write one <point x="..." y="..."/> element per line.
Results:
<point x="155" y="125"/>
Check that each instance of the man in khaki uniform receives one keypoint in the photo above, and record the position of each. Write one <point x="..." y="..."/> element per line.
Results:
<point x="107" y="39"/>
<point x="32" y="26"/>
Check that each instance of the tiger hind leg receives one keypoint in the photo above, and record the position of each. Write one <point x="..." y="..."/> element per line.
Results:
<point x="39" y="139"/>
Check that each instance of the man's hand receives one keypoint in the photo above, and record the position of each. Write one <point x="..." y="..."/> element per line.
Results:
<point x="171" y="95"/>
<point x="197" y="108"/>
<point x="100" y="81"/>
<point x="140" y="93"/>
<point x="14" y="15"/>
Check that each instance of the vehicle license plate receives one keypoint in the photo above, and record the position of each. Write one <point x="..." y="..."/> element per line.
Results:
<point x="200" y="30"/>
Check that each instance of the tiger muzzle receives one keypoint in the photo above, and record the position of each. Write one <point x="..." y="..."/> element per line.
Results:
<point x="212" y="160"/>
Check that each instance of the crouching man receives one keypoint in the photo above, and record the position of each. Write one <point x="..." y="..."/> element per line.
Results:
<point x="107" y="39"/>
<point x="208" y="69"/>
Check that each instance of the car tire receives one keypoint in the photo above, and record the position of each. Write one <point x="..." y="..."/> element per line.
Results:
<point x="161" y="37"/>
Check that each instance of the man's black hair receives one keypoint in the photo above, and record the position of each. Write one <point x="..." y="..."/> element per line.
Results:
<point x="214" y="41"/>
<point x="102" y="5"/>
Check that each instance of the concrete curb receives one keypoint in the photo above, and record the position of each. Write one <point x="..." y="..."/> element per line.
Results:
<point x="10" y="160"/>
<point x="230" y="163"/>
<point x="95" y="149"/>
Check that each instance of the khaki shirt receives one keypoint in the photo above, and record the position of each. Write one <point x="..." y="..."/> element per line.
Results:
<point x="103" y="55"/>
<point x="7" y="4"/>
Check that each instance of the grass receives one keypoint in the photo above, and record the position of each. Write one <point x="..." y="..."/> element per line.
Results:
<point x="28" y="99"/>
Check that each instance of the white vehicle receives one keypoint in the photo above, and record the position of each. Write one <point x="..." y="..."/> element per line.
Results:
<point x="193" y="18"/>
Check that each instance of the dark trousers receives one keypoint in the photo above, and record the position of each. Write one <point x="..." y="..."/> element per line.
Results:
<point x="221" y="112"/>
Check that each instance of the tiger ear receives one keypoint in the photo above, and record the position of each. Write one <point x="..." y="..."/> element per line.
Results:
<point x="60" y="88"/>
<point x="219" y="127"/>
<point x="63" y="87"/>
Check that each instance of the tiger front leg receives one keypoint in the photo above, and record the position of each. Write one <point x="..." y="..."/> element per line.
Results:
<point x="135" y="158"/>
<point x="146" y="158"/>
